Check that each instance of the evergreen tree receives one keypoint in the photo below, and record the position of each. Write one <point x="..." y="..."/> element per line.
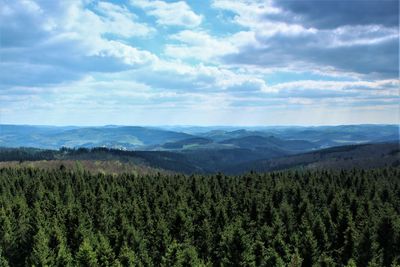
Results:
<point x="309" y="250"/>
<point x="307" y="218"/>
<point x="3" y="260"/>
<point x="187" y="256"/>
<point x="41" y="255"/>
<point x="127" y="257"/>
<point x="86" y="256"/>
<point x="351" y="263"/>
<point x="350" y="237"/>
<point x="365" y="248"/>
<point x="171" y="256"/>
<point x="386" y="237"/>
<point x="296" y="260"/>
<point x="326" y="261"/>
<point x="63" y="257"/>
<point x="236" y="247"/>
<point x="105" y="253"/>
<point x="273" y="259"/>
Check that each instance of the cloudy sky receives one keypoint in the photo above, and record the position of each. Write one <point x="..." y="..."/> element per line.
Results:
<point x="208" y="62"/>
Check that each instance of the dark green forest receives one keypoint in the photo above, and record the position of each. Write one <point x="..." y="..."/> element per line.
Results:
<point x="288" y="218"/>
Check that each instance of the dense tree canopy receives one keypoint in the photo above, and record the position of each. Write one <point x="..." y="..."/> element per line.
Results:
<point x="291" y="218"/>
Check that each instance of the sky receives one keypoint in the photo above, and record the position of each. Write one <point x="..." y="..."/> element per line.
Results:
<point x="199" y="62"/>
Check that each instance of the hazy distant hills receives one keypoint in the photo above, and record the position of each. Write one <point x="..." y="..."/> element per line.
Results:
<point x="260" y="142"/>
<point x="124" y="137"/>
<point x="208" y="149"/>
<point x="170" y="138"/>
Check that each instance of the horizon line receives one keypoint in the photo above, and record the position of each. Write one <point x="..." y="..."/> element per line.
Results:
<point x="200" y="126"/>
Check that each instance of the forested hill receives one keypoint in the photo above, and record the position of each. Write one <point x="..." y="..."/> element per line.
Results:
<point x="311" y="218"/>
<point x="233" y="161"/>
<point x="289" y="138"/>
<point x="344" y="157"/>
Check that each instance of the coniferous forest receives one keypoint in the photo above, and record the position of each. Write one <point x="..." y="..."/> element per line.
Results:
<point x="288" y="218"/>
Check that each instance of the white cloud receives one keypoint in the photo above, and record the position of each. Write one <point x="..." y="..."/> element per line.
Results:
<point x="202" y="46"/>
<point x="88" y="28"/>
<point x="50" y="44"/>
<point x="120" y="21"/>
<point x="175" y="13"/>
<point x="113" y="19"/>
<point x="281" y="40"/>
<point x="359" y="35"/>
<point x="248" y="13"/>
<point x="389" y="84"/>
<point x="128" y="54"/>
<point x="199" y="45"/>
<point x="71" y="34"/>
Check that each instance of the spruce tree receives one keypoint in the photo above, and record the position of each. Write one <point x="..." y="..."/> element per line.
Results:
<point x="41" y="254"/>
<point x="86" y="256"/>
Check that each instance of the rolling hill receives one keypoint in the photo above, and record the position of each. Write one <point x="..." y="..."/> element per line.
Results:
<point x="260" y="142"/>
<point x="123" y="137"/>
<point x="292" y="138"/>
<point x="364" y="156"/>
<point x="232" y="161"/>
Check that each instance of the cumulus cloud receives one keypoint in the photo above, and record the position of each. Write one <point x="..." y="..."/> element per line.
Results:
<point x="175" y="13"/>
<point x="360" y="48"/>
<point x="199" y="45"/>
<point x="120" y="21"/>
<point x="50" y="41"/>
<point x="332" y="14"/>
<point x="315" y="88"/>
<point x="256" y="58"/>
<point x="376" y="55"/>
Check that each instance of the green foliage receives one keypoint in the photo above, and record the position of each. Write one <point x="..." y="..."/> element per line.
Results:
<point x="86" y="255"/>
<point x="105" y="253"/>
<point x="3" y="260"/>
<point x="351" y="263"/>
<point x="296" y="260"/>
<point x="41" y="254"/>
<point x="308" y="218"/>
<point x="127" y="257"/>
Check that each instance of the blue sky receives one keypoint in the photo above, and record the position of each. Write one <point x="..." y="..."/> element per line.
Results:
<point x="208" y="62"/>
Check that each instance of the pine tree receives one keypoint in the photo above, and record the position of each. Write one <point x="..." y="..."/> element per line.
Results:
<point x="351" y="263"/>
<point x="86" y="256"/>
<point x="41" y="254"/>
<point x="295" y="260"/>
<point x="3" y="260"/>
<point x="365" y="247"/>
<point x="105" y="253"/>
<point x="386" y="237"/>
<point x="273" y="259"/>
<point x="127" y="257"/>
<point x="187" y="256"/>
<point x="171" y="255"/>
<point x="6" y="233"/>
<point x="63" y="257"/>
<point x="326" y="261"/>
<point x="309" y="250"/>
<point x="320" y="233"/>
<point x="236" y="247"/>
<point x="350" y="237"/>
<point x="260" y="254"/>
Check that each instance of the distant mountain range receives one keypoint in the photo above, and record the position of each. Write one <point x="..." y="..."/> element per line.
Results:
<point x="294" y="138"/>
<point x="208" y="149"/>
<point x="122" y="137"/>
